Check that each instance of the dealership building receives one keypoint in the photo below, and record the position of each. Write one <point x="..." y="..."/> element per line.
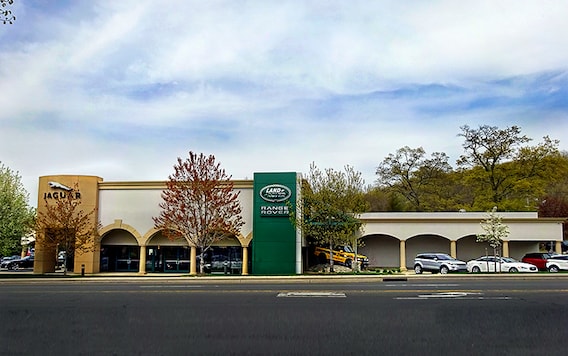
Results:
<point x="268" y="243"/>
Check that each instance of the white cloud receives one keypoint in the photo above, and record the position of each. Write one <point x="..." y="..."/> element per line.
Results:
<point x="122" y="88"/>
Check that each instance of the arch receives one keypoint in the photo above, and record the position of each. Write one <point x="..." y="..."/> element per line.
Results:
<point x="425" y="243"/>
<point x="118" y="225"/>
<point x="468" y="248"/>
<point x="156" y="237"/>
<point x="381" y="249"/>
<point x="245" y="240"/>
<point x="228" y="241"/>
<point x="119" y="248"/>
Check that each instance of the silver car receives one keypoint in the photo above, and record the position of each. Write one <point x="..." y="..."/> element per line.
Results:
<point x="437" y="262"/>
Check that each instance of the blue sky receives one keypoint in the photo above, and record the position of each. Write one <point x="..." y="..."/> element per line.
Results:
<point x="120" y="89"/>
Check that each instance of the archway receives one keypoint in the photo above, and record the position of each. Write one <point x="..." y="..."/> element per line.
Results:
<point x="425" y="243"/>
<point x="120" y="252"/>
<point x="165" y="255"/>
<point x="468" y="248"/>
<point x="382" y="250"/>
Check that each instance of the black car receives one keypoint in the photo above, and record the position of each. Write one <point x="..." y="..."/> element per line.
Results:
<point x="25" y="262"/>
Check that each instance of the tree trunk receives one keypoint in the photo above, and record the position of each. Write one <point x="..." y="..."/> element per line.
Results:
<point x="331" y="255"/>
<point x="201" y="262"/>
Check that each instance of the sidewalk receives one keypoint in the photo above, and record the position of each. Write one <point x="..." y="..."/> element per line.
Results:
<point x="28" y="275"/>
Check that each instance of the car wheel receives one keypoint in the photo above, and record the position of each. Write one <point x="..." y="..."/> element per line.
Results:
<point x="348" y="263"/>
<point x="418" y="269"/>
<point x="475" y="269"/>
<point x="553" y="269"/>
<point x="513" y="270"/>
<point x="444" y="270"/>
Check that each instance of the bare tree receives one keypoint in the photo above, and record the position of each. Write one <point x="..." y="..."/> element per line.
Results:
<point x="64" y="226"/>
<point x="6" y="15"/>
<point x="408" y="172"/>
<point x="199" y="204"/>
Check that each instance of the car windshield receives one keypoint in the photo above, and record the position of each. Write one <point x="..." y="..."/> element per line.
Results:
<point x="444" y="257"/>
<point x="508" y="259"/>
<point x="347" y="249"/>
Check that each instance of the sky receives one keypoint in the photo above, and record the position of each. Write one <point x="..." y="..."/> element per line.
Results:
<point x="121" y="89"/>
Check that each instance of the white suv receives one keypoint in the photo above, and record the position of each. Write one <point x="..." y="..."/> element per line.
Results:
<point x="556" y="263"/>
<point x="438" y="262"/>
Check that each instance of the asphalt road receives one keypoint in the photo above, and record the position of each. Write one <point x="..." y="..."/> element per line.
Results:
<point x="430" y="316"/>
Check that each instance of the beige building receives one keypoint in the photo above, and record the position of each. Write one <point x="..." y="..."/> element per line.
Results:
<point x="129" y="242"/>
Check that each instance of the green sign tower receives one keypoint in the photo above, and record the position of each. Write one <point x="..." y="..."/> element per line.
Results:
<point x="276" y="247"/>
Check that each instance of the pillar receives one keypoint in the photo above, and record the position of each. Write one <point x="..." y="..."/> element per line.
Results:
<point x="453" y="249"/>
<point x="403" y="255"/>
<point x="193" y="261"/>
<point x="558" y="247"/>
<point x="245" y="261"/>
<point x="142" y="267"/>
<point x="505" y="248"/>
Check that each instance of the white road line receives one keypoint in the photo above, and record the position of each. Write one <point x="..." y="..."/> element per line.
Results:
<point x="461" y="298"/>
<point x="420" y="285"/>
<point x="447" y="295"/>
<point x="452" y="295"/>
<point x="311" y="294"/>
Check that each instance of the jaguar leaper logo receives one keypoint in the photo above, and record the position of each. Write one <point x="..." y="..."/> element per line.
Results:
<point x="275" y="193"/>
<point x="57" y="185"/>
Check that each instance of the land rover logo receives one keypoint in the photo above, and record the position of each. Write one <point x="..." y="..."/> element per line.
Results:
<point x="275" y="193"/>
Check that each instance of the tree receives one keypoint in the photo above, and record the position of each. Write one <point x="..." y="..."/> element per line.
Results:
<point x="409" y="173"/>
<point x="330" y="206"/>
<point x="199" y="204"/>
<point x="488" y="149"/>
<point x="6" y="15"/>
<point x="495" y="231"/>
<point x="554" y="204"/>
<point x="382" y="199"/>
<point x="16" y="217"/>
<point x="64" y="226"/>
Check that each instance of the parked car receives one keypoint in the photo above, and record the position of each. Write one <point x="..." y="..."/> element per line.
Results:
<point x="25" y="262"/>
<point x="437" y="262"/>
<point x="9" y="258"/>
<point x="537" y="258"/>
<point x="557" y="263"/>
<point x="342" y="254"/>
<point x="499" y="264"/>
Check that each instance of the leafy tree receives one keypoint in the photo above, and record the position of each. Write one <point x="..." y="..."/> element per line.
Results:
<point x="330" y="206"/>
<point x="382" y="199"/>
<point x="495" y="231"/>
<point x="199" y="204"/>
<point x="555" y="203"/>
<point x="16" y="217"/>
<point x="503" y="169"/>
<point x="63" y="225"/>
<point x="6" y="15"/>
<point x="409" y="173"/>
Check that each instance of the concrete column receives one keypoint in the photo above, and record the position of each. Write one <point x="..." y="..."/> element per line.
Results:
<point x="142" y="267"/>
<point x="505" y="248"/>
<point x="403" y="256"/>
<point x="558" y="247"/>
<point x="453" y="249"/>
<point x="193" y="261"/>
<point x="245" y="261"/>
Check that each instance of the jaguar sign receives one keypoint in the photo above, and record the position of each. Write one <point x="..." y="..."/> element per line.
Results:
<point x="275" y="193"/>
